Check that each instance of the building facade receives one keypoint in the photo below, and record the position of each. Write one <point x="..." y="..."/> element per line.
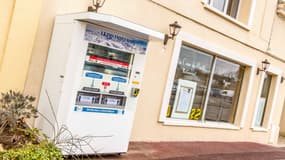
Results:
<point x="202" y="86"/>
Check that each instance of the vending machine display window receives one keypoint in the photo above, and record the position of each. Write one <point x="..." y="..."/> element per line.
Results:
<point x="108" y="61"/>
<point x="105" y="77"/>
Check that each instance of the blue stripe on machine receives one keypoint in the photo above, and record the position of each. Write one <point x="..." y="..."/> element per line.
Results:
<point x="99" y="110"/>
<point x="119" y="79"/>
<point x="94" y="75"/>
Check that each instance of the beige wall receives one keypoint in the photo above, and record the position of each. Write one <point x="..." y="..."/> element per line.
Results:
<point x="51" y="8"/>
<point x="6" y="12"/>
<point x="196" y="21"/>
<point x="277" y="42"/>
<point x="18" y="23"/>
<point x="244" y="11"/>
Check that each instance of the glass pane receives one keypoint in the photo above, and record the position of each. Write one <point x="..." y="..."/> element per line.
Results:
<point x="224" y="92"/>
<point x="219" y="4"/>
<point x="233" y="8"/>
<point x="105" y="77"/>
<point x="194" y="67"/>
<point x="108" y="61"/>
<point x="263" y="101"/>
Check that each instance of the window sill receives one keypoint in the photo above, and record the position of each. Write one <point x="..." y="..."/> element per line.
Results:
<point x="229" y="18"/>
<point x="259" y="129"/>
<point x="193" y="123"/>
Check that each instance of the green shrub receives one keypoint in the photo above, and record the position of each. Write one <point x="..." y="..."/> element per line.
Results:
<point x="42" y="151"/>
<point x="15" y="108"/>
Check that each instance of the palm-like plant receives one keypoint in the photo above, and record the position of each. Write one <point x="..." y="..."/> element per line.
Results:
<point x="15" y="108"/>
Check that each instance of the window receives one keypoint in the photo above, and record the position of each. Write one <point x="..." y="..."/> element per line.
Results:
<point x="229" y="7"/>
<point x="205" y="87"/>
<point x="262" y="102"/>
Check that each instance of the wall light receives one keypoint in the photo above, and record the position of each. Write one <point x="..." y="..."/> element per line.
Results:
<point x="96" y="6"/>
<point x="282" y="79"/>
<point x="174" y="29"/>
<point x="265" y="66"/>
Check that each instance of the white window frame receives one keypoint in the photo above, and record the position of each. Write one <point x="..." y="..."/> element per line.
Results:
<point x="219" y="51"/>
<point x="274" y="72"/>
<point x="247" y="26"/>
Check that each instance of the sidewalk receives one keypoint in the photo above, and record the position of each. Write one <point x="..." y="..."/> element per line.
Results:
<point x="200" y="151"/>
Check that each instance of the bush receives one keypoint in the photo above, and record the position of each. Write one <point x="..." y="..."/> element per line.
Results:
<point x="42" y="151"/>
<point x="15" y="108"/>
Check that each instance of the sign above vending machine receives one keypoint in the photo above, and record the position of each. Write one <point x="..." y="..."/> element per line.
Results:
<point x="113" y="39"/>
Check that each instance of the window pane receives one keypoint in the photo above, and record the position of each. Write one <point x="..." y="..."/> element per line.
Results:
<point x="224" y="94"/>
<point x="194" y="66"/>
<point x="263" y="101"/>
<point x="219" y="4"/>
<point x="233" y="8"/>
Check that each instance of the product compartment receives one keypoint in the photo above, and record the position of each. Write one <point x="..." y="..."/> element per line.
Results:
<point x="113" y="100"/>
<point x="86" y="98"/>
<point x="104" y="100"/>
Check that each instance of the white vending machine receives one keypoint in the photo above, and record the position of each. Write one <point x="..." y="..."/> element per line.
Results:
<point x="92" y="80"/>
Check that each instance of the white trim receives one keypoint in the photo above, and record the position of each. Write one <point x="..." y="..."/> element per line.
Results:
<point x="274" y="99"/>
<point x="209" y="89"/>
<point x="251" y="14"/>
<point x="196" y="42"/>
<point x="227" y="17"/>
<point x="275" y="72"/>
<point x="193" y="123"/>
<point x="108" y="20"/>
<point x="247" y="98"/>
<point x="247" y="26"/>
<point x="259" y="129"/>
<point x="218" y="50"/>
<point x="170" y="79"/>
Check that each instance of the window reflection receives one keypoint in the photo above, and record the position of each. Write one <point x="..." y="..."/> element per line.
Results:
<point x="224" y="93"/>
<point x="262" y="102"/>
<point x="215" y="82"/>
<point x="193" y="65"/>
<point x="219" y="4"/>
